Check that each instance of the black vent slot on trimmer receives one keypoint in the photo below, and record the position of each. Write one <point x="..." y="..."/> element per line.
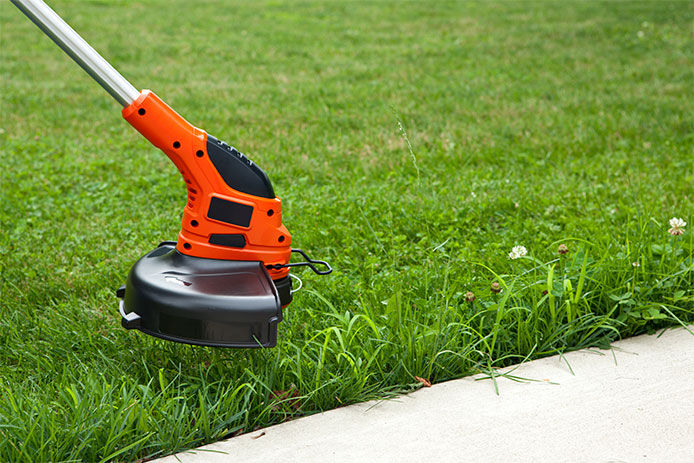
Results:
<point x="230" y="240"/>
<point x="230" y="212"/>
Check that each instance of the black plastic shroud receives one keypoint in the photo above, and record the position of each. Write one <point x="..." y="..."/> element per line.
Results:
<point x="209" y="302"/>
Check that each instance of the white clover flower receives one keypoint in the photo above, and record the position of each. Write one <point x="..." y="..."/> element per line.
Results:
<point x="676" y="226"/>
<point x="636" y="264"/>
<point x="517" y="251"/>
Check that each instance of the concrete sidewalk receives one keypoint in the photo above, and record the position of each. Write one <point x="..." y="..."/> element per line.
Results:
<point x="633" y="403"/>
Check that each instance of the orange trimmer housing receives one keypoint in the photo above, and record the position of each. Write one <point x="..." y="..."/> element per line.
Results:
<point x="231" y="212"/>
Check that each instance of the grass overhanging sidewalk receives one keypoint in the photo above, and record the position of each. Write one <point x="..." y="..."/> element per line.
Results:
<point x="413" y="145"/>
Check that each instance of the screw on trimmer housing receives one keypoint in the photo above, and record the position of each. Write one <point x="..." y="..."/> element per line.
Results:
<point x="225" y="281"/>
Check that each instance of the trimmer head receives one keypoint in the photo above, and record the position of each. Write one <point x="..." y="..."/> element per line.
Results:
<point x="209" y="302"/>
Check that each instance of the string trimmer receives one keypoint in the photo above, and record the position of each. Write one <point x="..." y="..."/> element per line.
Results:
<point x="225" y="281"/>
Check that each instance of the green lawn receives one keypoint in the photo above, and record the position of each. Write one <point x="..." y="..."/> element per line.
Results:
<point x="413" y="145"/>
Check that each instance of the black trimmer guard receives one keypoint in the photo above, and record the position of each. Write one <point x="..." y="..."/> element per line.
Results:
<point x="208" y="302"/>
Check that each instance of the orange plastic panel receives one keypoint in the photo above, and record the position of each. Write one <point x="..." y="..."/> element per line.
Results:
<point x="267" y="239"/>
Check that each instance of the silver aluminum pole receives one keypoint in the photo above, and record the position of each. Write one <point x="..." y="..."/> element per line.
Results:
<point x="79" y="50"/>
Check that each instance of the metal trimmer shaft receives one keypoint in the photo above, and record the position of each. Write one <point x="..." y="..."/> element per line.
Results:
<point x="79" y="50"/>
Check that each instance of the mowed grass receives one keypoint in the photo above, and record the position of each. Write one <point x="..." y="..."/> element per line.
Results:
<point x="413" y="144"/>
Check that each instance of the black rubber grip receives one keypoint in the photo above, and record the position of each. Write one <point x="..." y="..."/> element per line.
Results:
<point x="237" y="171"/>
